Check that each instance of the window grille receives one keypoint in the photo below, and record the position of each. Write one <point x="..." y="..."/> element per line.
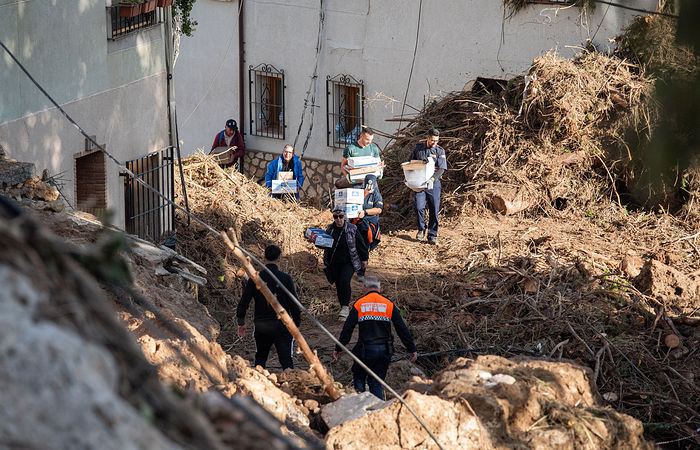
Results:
<point x="266" y="101"/>
<point x="346" y="110"/>
<point x="149" y="215"/>
<point x="123" y="23"/>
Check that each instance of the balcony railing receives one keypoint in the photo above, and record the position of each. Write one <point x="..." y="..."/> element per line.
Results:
<point x="123" y="23"/>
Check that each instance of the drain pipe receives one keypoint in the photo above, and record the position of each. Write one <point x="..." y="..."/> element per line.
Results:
<point x="241" y="71"/>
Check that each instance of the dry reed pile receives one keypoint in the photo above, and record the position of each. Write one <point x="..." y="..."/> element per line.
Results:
<point x="564" y="149"/>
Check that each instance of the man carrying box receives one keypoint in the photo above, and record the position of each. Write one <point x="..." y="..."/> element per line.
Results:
<point x="431" y="194"/>
<point x="286" y="167"/>
<point x="362" y="147"/>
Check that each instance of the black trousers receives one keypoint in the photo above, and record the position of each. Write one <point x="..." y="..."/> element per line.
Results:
<point x="271" y="332"/>
<point x="342" y="274"/>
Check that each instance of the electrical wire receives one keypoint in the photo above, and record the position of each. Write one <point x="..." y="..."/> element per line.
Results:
<point x="313" y="84"/>
<point x="214" y="231"/>
<point x="645" y="11"/>
<point x="413" y="62"/>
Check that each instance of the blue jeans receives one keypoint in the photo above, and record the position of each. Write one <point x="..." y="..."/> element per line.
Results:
<point x="432" y="199"/>
<point x="377" y="358"/>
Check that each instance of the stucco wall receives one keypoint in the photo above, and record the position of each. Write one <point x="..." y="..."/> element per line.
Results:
<point x="115" y="90"/>
<point x="206" y="75"/>
<point x="373" y="41"/>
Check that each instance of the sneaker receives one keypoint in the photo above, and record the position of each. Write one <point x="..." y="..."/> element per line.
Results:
<point x="432" y="240"/>
<point x="420" y="235"/>
<point x="344" y="312"/>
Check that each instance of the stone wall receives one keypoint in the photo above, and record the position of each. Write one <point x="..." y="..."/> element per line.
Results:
<point x="318" y="175"/>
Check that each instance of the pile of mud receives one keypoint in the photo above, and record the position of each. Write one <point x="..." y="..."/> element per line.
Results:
<point x="555" y="139"/>
<point x="69" y="365"/>
<point x="491" y="403"/>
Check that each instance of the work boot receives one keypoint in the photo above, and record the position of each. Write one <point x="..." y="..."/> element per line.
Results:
<point x="432" y="240"/>
<point x="420" y="235"/>
<point x="344" y="312"/>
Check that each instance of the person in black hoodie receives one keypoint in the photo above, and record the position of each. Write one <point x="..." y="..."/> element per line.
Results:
<point x="348" y="255"/>
<point x="269" y="329"/>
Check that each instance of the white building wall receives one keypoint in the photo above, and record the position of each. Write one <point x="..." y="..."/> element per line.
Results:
<point x="206" y="75"/>
<point x="115" y="90"/>
<point x="373" y="41"/>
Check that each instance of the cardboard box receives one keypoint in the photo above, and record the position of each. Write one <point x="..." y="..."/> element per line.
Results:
<point x="284" y="186"/>
<point x="416" y="178"/>
<point x="351" y="210"/>
<point x="349" y="196"/>
<point x="362" y="161"/>
<point x="285" y="175"/>
<point x="319" y="237"/>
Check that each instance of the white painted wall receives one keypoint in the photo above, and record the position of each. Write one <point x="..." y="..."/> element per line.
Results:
<point x="206" y="75"/>
<point x="373" y="41"/>
<point x="115" y="90"/>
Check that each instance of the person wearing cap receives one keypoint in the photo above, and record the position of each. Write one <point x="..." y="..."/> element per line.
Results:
<point x="287" y="162"/>
<point x="227" y="138"/>
<point x="368" y="220"/>
<point x="430" y="196"/>
<point x="269" y="330"/>
<point x="375" y="344"/>
<point x="363" y="146"/>
<point x="347" y="255"/>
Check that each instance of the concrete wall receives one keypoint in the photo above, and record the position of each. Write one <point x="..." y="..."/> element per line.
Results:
<point x="206" y="75"/>
<point x="373" y="41"/>
<point x="115" y="90"/>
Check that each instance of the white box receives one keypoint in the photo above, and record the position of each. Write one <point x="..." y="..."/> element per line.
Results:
<point x="417" y="178"/>
<point x="350" y="195"/>
<point x="362" y="161"/>
<point x="319" y="237"/>
<point x="351" y="210"/>
<point x="284" y="186"/>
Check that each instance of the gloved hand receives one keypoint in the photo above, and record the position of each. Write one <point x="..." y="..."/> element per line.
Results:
<point x="428" y="184"/>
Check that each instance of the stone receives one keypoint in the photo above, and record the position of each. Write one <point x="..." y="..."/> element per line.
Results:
<point x="13" y="173"/>
<point x="55" y="206"/>
<point x="631" y="265"/>
<point x="351" y="407"/>
<point x="314" y="164"/>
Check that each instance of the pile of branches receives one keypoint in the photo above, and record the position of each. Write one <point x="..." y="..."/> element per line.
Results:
<point x="562" y="306"/>
<point x="554" y="139"/>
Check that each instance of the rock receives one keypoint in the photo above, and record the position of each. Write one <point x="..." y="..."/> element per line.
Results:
<point x="55" y="206"/>
<point x="631" y="265"/>
<point x="663" y="282"/>
<point x="13" y="173"/>
<point x="351" y="407"/>
<point x="36" y="189"/>
<point x="311" y="404"/>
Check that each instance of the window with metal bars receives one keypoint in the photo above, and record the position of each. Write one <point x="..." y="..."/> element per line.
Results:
<point x="128" y="18"/>
<point x="266" y="101"/>
<point x="345" y="108"/>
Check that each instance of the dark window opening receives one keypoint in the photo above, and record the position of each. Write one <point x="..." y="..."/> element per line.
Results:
<point x="91" y="182"/>
<point x="346" y="110"/>
<point x="266" y="95"/>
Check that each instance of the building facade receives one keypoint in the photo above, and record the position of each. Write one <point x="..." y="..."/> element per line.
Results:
<point x="312" y="72"/>
<point x="106" y="66"/>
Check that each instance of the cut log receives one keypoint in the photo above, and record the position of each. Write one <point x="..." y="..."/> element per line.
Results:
<point x="507" y="208"/>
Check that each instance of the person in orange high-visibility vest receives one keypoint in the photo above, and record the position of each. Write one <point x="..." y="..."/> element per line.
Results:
<point x="375" y="344"/>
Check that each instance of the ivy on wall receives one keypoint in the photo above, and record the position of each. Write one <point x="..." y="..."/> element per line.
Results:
<point x="183" y="9"/>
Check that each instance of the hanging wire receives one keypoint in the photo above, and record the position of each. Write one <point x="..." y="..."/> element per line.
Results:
<point x="213" y="230"/>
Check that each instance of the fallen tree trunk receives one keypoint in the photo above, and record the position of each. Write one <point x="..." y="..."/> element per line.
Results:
<point x="283" y="316"/>
<point x="506" y="207"/>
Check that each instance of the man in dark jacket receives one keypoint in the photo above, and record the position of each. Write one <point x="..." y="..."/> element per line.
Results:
<point x="431" y="195"/>
<point x="230" y="137"/>
<point x="375" y="343"/>
<point x="368" y="220"/>
<point x="269" y="329"/>
<point x="349" y="254"/>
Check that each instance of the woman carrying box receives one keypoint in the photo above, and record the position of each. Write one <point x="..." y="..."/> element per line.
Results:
<point x="287" y="162"/>
<point x="348" y="255"/>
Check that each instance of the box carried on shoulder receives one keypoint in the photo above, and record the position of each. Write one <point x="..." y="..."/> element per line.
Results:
<point x="349" y="196"/>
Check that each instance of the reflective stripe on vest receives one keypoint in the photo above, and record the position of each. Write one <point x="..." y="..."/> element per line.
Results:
<point x="374" y="307"/>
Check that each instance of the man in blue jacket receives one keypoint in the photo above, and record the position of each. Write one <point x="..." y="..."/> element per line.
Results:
<point x="430" y="196"/>
<point x="287" y="162"/>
